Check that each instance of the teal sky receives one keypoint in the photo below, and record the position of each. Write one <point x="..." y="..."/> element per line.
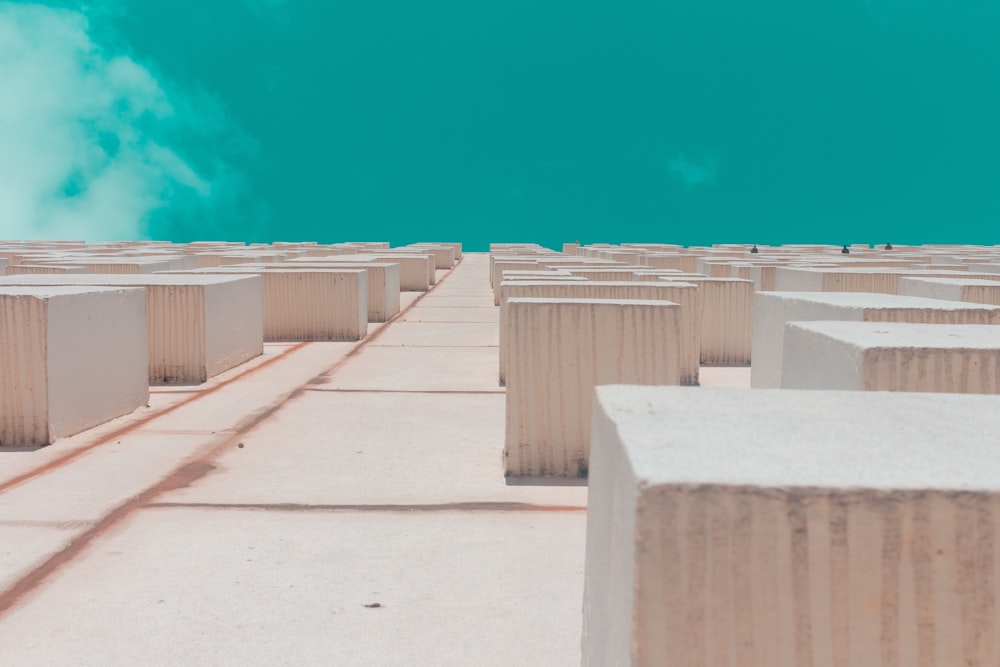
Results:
<point x="685" y="121"/>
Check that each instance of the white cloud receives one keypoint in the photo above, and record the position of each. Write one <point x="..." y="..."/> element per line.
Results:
<point x="81" y="155"/>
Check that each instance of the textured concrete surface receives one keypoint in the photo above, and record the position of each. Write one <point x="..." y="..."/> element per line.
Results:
<point x="781" y="528"/>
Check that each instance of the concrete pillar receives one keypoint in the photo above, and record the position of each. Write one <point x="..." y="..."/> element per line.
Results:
<point x="560" y="349"/>
<point x="70" y="358"/>
<point x="789" y="528"/>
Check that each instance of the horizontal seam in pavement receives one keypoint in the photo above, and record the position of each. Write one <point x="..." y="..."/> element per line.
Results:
<point x="408" y="391"/>
<point x="187" y="473"/>
<point x="483" y="506"/>
<point x="433" y="346"/>
<point x="70" y="456"/>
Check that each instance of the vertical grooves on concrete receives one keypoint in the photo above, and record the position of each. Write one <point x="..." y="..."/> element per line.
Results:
<point x="688" y="297"/>
<point x="23" y="370"/>
<point x="176" y="354"/>
<point x="559" y="351"/>
<point x="981" y="294"/>
<point x="943" y="370"/>
<point x="307" y="306"/>
<point x="885" y="283"/>
<point x="727" y="321"/>
<point x="866" y="573"/>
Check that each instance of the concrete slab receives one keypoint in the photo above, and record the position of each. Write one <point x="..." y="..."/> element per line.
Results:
<point x="441" y="334"/>
<point x="762" y="528"/>
<point x="317" y="571"/>
<point x="772" y="310"/>
<point x="884" y="356"/>
<point x="421" y="369"/>
<point x="446" y="314"/>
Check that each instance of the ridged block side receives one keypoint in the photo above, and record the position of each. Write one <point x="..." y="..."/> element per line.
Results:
<point x="560" y="350"/>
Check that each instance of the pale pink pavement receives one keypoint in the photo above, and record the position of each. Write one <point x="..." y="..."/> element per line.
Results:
<point x="254" y="520"/>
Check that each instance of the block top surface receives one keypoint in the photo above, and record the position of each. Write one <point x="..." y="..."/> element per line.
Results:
<point x="128" y="280"/>
<point x="963" y="282"/>
<point x="872" y="300"/>
<point x="783" y="438"/>
<point x="49" y="291"/>
<point x="874" y="335"/>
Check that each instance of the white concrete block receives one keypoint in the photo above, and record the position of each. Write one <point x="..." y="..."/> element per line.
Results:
<point x="560" y="349"/>
<point x="444" y="255"/>
<point x="772" y="310"/>
<point x="309" y="305"/>
<point x="726" y="318"/>
<point x="881" y="356"/>
<point x="952" y="289"/>
<point x="786" y="528"/>
<point x="685" y="295"/>
<point x="856" y="279"/>
<point x="70" y="358"/>
<point x="383" y="283"/>
<point x="198" y="325"/>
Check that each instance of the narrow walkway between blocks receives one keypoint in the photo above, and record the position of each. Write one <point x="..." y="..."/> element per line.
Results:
<point x="360" y="520"/>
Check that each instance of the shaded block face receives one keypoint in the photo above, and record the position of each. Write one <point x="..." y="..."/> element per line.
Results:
<point x="315" y="305"/>
<point x="685" y="295"/>
<point x="880" y="356"/>
<point x="383" y="282"/>
<point x="70" y="358"/>
<point x="726" y="318"/>
<point x="772" y="310"/>
<point x="560" y="350"/>
<point x="786" y="528"/>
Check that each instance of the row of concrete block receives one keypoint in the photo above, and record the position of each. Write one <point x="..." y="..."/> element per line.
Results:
<point x="555" y="350"/>
<point x="59" y="331"/>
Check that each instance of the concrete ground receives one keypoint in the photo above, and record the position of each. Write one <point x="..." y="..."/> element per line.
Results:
<point x="327" y="503"/>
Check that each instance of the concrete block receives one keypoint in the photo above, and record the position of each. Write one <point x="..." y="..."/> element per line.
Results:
<point x="444" y="255"/>
<point x="70" y="358"/>
<point x="726" y="318"/>
<point x="685" y="295"/>
<point x="952" y="289"/>
<point x="856" y="279"/>
<point x="416" y="271"/>
<point x="560" y="349"/>
<point x="383" y="283"/>
<point x="198" y="325"/>
<point x="309" y="305"/>
<point x="882" y="356"/>
<point x="789" y="528"/>
<point x="772" y="310"/>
